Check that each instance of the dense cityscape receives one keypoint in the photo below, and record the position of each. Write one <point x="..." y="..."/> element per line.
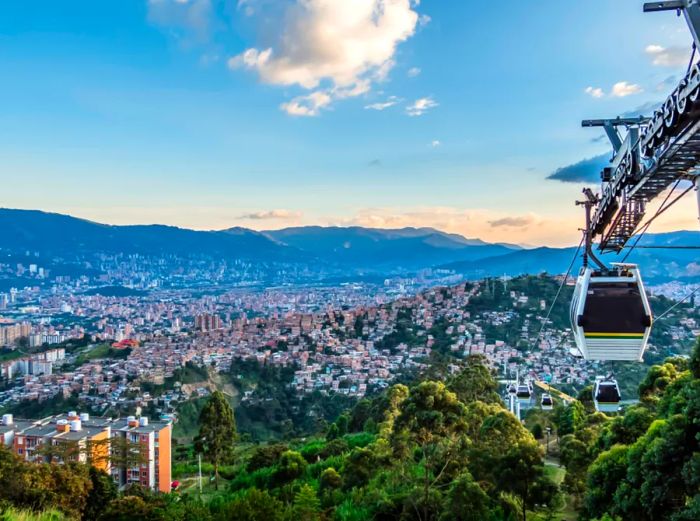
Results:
<point x="350" y="339"/>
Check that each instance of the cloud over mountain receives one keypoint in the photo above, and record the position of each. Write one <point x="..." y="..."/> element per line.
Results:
<point x="271" y="214"/>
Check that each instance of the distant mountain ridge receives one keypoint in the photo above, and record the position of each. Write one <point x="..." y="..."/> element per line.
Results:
<point x="354" y="247"/>
<point x="404" y="247"/>
<point x="351" y="250"/>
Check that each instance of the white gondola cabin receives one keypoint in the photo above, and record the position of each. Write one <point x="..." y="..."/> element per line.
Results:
<point x="524" y="393"/>
<point x="610" y="314"/>
<point x="547" y="403"/>
<point x="606" y="395"/>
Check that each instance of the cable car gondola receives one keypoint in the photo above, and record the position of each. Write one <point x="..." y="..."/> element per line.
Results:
<point x="524" y="393"/>
<point x="606" y="395"/>
<point x="610" y="313"/>
<point x="546" y="403"/>
<point x="512" y="389"/>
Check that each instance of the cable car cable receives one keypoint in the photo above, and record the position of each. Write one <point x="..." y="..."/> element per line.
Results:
<point x="661" y="210"/>
<point x="661" y="316"/>
<point x="561" y="286"/>
<point x="646" y="225"/>
<point x="670" y="247"/>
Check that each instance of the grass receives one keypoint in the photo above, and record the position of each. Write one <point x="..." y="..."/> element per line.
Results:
<point x="6" y="355"/>
<point x="554" y="473"/>
<point x="12" y="514"/>
<point x="102" y="351"/>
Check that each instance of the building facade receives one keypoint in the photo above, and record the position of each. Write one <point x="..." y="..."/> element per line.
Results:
<point x="132" y="450"/>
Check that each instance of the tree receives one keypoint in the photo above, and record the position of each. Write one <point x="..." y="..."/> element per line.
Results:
<point x="103" y="491"/>
<point x="265" y="456"/>
<point x="466" y="501"/>
<point x="475" y="382"/>
<point x="694" y="362"/>
<point x="217" y="431"/>
<point x="306" y="504"/>
<point x="520" y="472"/>
<point x="359" y="415"/>
<point x="291" y="466"/>
<point x="537" y="431"/>
<point x="253" y="505"/>
<point x="569" y="418"/>
<point x="432" y="419"/>
<point x="333" y="432"/>
<point x="129" y="508"/>
<point x="330" y="479"/>
<point x="605" y="475"/>
<point x="342" y="422"/>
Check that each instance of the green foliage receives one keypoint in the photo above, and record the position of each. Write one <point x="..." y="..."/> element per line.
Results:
<point x="569" y="418"/>
<point x="437" y="451"/>
<point x="265" y="456"/>
<point x="306" y="504"/>
<point x="102" y="491"/>
<point x="466" y="501"/>
<point x="291" y="466"/>
<point x="253" y="505"/>
<point x="330" y="479"/>
<point x="475" y="382"/>
<point x="217" y="431"/>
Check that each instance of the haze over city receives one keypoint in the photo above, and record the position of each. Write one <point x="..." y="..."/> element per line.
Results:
<point x="204" y="114"/>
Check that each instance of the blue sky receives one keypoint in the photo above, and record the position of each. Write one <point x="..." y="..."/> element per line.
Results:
<point x="265" y="113"/>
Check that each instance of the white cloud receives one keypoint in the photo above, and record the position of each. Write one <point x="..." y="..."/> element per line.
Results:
<point x="194" y="17"/>
<point x="421" y="106"/>
<point x="381" y="105"/>
<point x="667" y="56"/>
<point x="349" y="45"/>
<point x="435" y="143"/>
<point x="594" y="92"/>
<point x="623" y="88"/>
<point x="309" y="105"/>
<point x="271" y="214"/>
<point x="413" y="72"/>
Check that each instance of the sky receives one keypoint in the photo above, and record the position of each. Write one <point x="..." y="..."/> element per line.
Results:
<point x="206" y="114"/>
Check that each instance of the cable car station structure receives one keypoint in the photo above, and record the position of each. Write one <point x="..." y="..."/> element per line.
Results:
<point x="655" y="152"/>
<point x="610" y="314"/>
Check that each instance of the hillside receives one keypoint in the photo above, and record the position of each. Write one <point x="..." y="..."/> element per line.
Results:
<point x="440" y="449"/>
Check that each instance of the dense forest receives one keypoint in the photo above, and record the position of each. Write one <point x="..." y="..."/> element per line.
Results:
<point x="435" y="450"/>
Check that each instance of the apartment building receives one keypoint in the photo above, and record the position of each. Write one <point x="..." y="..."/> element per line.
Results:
<point x="98" y="442"/>
<point x="154" y="439"/>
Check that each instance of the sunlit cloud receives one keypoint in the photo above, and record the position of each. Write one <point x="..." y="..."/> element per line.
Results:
<point x="272" y="215"/>
<point x="349" y="45"/>
<point x="668" y="56"/>
<point x="623" y="88"/>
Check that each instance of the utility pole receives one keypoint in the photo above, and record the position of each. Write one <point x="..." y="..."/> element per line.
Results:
<point x="199" y="457"/>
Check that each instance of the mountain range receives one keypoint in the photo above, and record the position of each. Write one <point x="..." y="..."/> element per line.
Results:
<point x="350" y="248"/>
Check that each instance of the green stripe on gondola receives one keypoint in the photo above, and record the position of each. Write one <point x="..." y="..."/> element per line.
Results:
<point x="615" y="336"/>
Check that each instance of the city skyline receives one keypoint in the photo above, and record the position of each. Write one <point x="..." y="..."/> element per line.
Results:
<point x="198" y="114"/>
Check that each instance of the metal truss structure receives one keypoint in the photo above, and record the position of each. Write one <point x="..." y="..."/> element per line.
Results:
<point x="654" y="152"/>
